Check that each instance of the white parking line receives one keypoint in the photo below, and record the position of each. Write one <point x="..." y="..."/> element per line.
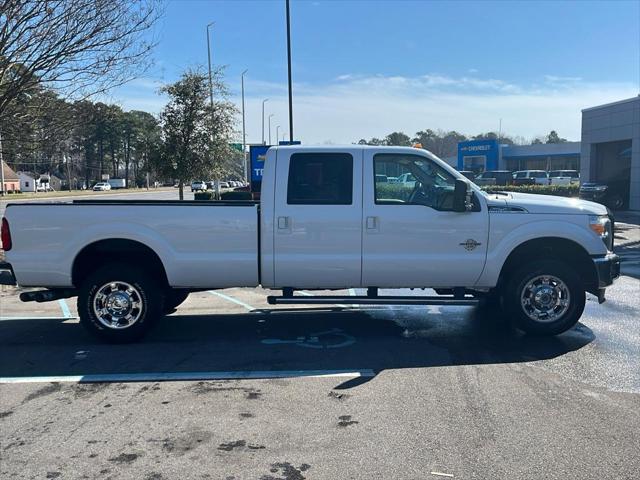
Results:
<point x="231" y="299"/>
<point x="65" y="308"/>
<point x="38" y="318"/>
<point x="190" y="376"/>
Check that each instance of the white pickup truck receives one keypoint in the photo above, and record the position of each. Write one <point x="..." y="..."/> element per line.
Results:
<point x="323" y="222"/>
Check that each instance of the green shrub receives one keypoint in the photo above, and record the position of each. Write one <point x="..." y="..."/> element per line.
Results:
<point x="241" y="195"/>
<point x="203" y="196"/>
<point x="393" y="191"/>
<point x="557" y="190"/>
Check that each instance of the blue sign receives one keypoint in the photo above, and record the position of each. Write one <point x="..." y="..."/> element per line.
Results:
<point x="478" y="155"/>
<point x="257" y="155"/>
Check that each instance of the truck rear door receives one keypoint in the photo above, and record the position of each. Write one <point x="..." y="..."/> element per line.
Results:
<point x="318" y="218"/>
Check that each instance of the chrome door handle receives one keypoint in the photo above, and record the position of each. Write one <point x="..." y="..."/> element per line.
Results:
<point x="283" y="223"/>
<point x="372" y="223"/>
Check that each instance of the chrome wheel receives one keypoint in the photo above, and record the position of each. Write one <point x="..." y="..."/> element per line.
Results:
<point x="545" y="298"/>
<point x="118" y="305"/>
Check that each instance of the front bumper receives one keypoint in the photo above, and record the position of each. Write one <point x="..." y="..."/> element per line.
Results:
<point x="6" y="274"/>
<point x="607" y="269"/>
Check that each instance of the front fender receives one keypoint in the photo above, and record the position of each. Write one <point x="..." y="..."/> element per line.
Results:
<point x="504" y="239"/>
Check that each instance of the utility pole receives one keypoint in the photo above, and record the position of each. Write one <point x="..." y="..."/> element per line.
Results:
<point x="244" y="135"/>
<point x="277" y="134"/>
<point x="263" y="102"/>
<point x="217" y="180"/>
<point x="289" y="68"/>
<point x="271" y="115"/>
<point x="2" y="192"/>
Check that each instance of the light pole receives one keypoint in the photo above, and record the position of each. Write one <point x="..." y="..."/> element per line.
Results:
<point x="211" y="104"/>
<point x="263" y="102"/>
<point x="209" y="58"/>
<point x="277" y="133"/>
<point x="244" y="136"/>
<point x="270" y="115"/>
<point x="289" y="71"/>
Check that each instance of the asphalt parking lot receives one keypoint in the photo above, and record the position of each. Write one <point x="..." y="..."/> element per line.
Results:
<point x="229" y="387"/>
<point x="343" y="393"/>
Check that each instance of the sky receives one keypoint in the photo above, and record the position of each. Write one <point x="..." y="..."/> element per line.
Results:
<point x="363" y="69"/>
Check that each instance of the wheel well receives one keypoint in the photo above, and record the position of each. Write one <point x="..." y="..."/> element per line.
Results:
<point x="116" y="250"/>
<point x="555" y="248"/>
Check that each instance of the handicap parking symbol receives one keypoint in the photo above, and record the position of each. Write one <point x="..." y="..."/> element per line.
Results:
<point x="334" y="338"/>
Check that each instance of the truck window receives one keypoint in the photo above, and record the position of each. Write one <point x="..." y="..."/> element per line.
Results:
<point x="320" y="179"/>
<point x="426" y="182"/>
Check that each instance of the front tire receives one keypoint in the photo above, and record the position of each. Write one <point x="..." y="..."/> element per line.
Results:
<point x="118" y="303"/>
<point x="544" y="297"/>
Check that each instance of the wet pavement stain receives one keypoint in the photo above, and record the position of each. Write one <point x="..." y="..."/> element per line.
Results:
<point x="338" y="395"/>
<point x="287" y="471"/>
<point x="239" y="444"/>
<point x="186" y="443"/>
<point x="246" y="415"/>
<point x="53" y="474"/>
<point x="42" y="392"/>
<point x="124" y="458"/>
<point x="345" y="421"/>
<point x="6" y="414"/>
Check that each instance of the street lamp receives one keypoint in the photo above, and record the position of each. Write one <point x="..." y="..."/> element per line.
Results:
<point x="277" y="133"/>
<point x="263" y="102"/>
<point x="244" y="135"/>
<point x="217" y="182"/>
<point x="270" y="115"/>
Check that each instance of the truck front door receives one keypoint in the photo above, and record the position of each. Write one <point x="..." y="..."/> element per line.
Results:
<point x="318" y="219"/>
<point x="411" y="236"/>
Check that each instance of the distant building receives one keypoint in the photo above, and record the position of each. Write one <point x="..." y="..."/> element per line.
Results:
<point x="11" y="180"/>
<point x="28" y="181"/>
<point x="481" y="155"/>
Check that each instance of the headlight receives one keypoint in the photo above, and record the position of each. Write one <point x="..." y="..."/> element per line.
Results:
<point x="601" y="226"/>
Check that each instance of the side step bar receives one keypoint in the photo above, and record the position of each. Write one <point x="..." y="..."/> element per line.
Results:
<point x="371" y="300"/>
<point x="48" y="295"/>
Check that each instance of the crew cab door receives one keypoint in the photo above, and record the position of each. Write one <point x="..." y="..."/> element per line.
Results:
<point x="411" y="236"/>
<point x="318" y="218"/>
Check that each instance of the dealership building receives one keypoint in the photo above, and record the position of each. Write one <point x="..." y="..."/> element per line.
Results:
<point x="609" y="151"/>
<point x="481" y="155"/>
<point x="610" y="147"/>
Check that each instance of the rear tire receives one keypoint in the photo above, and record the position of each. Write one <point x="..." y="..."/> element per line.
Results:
<point x="118" y="303"/>
<point x="544" y="297"/>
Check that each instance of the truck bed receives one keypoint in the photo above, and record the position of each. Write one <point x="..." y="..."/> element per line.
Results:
<point x="195" y="240"/>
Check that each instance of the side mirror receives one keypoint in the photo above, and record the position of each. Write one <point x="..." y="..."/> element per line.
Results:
<point x="462" y="196"/>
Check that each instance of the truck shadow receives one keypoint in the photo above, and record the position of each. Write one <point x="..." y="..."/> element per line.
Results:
<point x="276" y="340"/>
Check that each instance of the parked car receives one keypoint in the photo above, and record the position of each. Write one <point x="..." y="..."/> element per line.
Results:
<point x="321" y="224"/>
<point x="494" y="177"/>
<point x="117" y="183"/>
<point x="530" y="177"/>
<point x="468" y="174"/>
<point x="198" y="186"/>
<point x="224" y="184"/>
<point x="381" y="178"/>
<point x="407" y="179"/>
<point x="564" y="177"/>
<point x="613" y="194"/>
<point x="101" y="187"/>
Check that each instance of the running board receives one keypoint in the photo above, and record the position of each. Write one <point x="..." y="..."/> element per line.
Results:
<point x="379" y="300"/>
